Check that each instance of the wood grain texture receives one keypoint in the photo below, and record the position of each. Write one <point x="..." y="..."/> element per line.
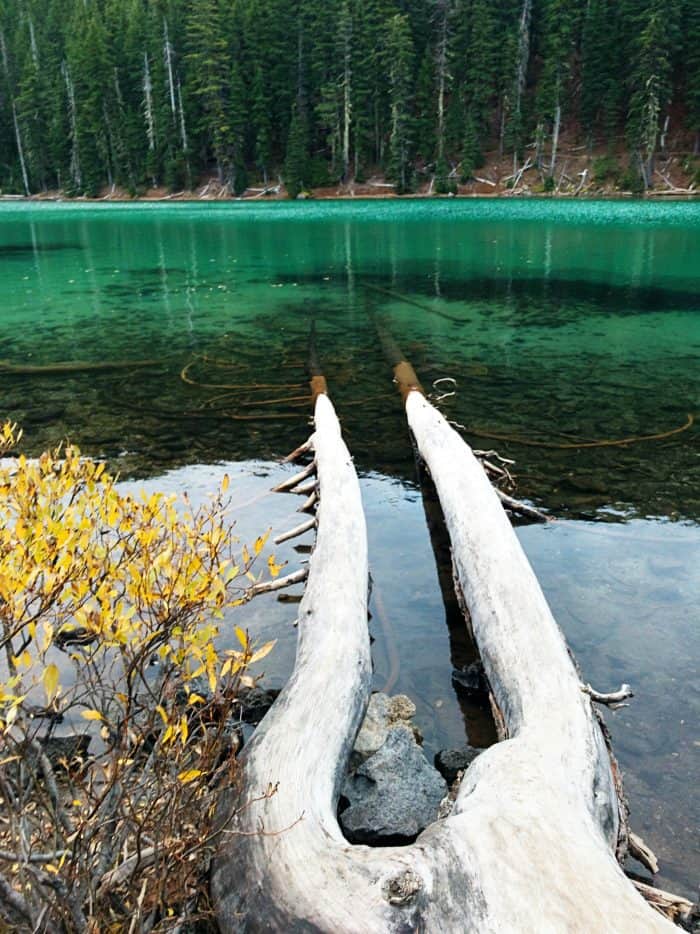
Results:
<point x="529" y="844"/>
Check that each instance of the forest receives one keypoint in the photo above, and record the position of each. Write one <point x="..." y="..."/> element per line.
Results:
<point x="144" y="93"/>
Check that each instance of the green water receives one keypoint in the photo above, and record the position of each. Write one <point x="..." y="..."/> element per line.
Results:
<point x="560" y="322"/>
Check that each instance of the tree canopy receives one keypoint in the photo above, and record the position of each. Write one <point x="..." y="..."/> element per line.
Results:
<point x="160" y="92"/>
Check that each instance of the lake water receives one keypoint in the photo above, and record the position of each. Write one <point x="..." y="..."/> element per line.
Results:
<point x="561" y="323"/>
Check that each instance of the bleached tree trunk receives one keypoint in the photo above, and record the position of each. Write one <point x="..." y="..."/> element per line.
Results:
<point x="523" y="55"/>
<point x="20" y="150"/>
<point x="555" y="135"/>
<point x="75" y="172"/>
<point x="347" y="86"/>
<point x="181" y="111"/>
<point x="15" y="121"/>
<point x="168" y="56"/>
<point x="521" y="63"/>
<point x="148" y="103"/>
<point x="443" y="8"/>
<point x="529" y="844"/>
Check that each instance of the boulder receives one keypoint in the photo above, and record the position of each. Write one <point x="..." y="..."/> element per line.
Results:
<point x="471" y="680"/>
<point x="383" y="714"/>
<point x="392" y="795"/>
<point x="450" y="762"/>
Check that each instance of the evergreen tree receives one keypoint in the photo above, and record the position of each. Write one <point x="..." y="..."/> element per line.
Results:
<point x="239" y="123"/>
<point x="261" y="125"/>
<point x="400" y="57"/>
<point x="137" y="92"/>
<point x="86" y="74"/>
<point x="691" y="57"/>
<point x="651" y="82"/>
<point x="600" y="77"/>
<point x="209" y="81"/>
<point x="557" y="48"/>
<point x="424" y="120"/>
<point x="297" y="168"/>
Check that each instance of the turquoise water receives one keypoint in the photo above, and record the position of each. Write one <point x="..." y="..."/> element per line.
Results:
<point x="560" y="323"/>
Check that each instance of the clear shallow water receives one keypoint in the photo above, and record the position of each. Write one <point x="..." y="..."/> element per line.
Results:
<point x="561" y="322"/>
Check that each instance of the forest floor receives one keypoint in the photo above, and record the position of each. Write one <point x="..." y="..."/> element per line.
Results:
<point x="578" y="173"/>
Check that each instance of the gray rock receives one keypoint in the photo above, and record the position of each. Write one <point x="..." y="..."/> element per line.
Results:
<point x="255" y="703"/>
<point x="471" y="679"/>
<point x="383" y="714"/>
<point x="450" y="762"/>
<point x="394" y="794"/>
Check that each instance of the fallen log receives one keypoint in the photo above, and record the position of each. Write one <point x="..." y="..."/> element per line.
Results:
<point x="529" y="844"/>
<point x="77" y="366"/>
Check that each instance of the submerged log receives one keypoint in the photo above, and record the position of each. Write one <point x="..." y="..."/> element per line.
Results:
<point x="529" y="844"/>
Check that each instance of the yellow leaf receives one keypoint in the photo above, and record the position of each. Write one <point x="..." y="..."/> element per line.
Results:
<point x="91" y="715"/>
<point x="260" y="543"/>
<point x="225" y="483"/>
<point x="50" y="680"/>
<point x="274" y="568"/>
<point x="261" y="652"/>
<point x="189" y="776"/>
<point x="242" y="637"/>
<point x="195" y="699"/>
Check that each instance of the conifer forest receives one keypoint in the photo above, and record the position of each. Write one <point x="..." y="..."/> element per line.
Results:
<point x="140" y="93"/>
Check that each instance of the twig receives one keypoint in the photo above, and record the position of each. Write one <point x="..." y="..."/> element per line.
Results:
<point x="293" y="481"/>
<point x="14" y="900"/>
<point x="308" y="504"/>
<point x="268" y="586"/>
<point x="515" y="505"/>
<point x="51" y="786"/>
<point x="672" y="906"/>
<point x="304" y="448"/>
<point x="613" y="700"/>
<point x="9" y="857"/>
<point x="297" y="530"/>
<point x="642" y="853"/>
<point x="125" y="870"/>
<point x="305" y="488"/>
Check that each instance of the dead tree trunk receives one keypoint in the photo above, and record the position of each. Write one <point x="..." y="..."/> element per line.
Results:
<point x="529" y="843"/>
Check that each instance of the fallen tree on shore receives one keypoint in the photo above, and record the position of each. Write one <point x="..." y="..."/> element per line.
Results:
<point x="533" y="836"/>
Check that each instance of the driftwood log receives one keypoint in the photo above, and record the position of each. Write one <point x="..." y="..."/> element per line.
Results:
<point x="529" y="844"/>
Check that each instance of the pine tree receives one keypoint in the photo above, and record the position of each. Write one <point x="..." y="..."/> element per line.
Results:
<point x="600" y="67"/>
<point x="400" y="57"/>
<point x="691" y="57"/>
<point x="239" y="123"/>
<point x="208" y="81"/>
<point x="260" y="124"/>
<point x="86" y="75"/>
<point x="651" y="81"/>
<point x="557" y="48"/>
<point x="424" y="121"/>
<point x="297" y="164"/>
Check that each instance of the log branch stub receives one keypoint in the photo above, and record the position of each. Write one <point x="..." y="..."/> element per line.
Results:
<point x="522" y="509"/>
<point x="296" y="479"/>
<point x="304" y="448"/>
<point x="643" y="853"/>
<point x="296" y="577"/>
<point x="613" y="699"/>
<point x="300" y="529"/>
